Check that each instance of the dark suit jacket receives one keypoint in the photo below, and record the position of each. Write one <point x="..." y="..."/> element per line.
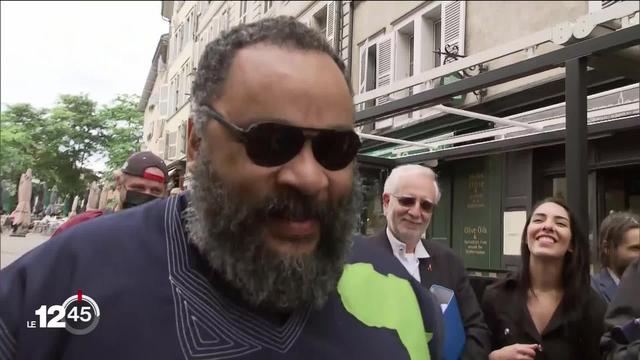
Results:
<point x="624" y="308"/>
<point x="445" y="268"/>
<point x="603" y="283"/>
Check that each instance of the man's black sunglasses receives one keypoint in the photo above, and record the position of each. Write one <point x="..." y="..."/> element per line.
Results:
<point x="409" y="201"/>
<point x="273" y="144"/>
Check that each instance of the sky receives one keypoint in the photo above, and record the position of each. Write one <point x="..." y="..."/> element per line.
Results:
<point x="99" y="48"/>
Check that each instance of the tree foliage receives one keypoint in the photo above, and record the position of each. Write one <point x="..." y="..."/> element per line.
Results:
<point x="58" y="144"/>
<point x="124" y="124"/>
<point x="17" y="145"/>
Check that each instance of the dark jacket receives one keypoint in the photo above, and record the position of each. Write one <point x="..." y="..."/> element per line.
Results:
<point x="624" y="308"/>
<point x="603" y="283"/>
<point x="445" y="268"/>
<point x="506" y="312"/>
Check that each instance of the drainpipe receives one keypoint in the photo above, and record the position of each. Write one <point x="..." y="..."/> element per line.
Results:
<point x="350" y="47"/>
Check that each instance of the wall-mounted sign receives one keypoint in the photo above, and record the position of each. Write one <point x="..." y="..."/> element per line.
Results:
<point x="512" y="225"/>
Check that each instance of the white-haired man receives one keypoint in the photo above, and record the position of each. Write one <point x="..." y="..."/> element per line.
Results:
<point x="410" y="195"/>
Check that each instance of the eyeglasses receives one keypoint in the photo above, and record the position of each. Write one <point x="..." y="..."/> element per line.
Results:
<point x="273" y="144"/>
<point x="410" y="201"/>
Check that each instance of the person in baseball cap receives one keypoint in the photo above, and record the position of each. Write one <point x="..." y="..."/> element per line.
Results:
<point x="142" y="178"/>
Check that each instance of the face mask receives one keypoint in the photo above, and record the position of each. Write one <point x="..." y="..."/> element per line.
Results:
<point x="135" y="198"/>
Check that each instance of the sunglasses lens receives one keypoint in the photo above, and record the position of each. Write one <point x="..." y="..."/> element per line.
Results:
<point x="426" y="206"/>
<point x="406" y="201"/>
<point x="335" y="149"/>
<point x="273" y="144"/>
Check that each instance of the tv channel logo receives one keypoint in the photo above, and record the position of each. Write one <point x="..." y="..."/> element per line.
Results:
<point x="79" y="314"/>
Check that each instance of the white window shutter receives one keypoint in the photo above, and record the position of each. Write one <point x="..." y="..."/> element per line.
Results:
<point x="363" y="68"/>
<point x="164" y="101"/>
<point x="331" y="32"/>
<point x="606" y="4"/>
<point x="453" y="25"/>
<point x="384" y="66"/>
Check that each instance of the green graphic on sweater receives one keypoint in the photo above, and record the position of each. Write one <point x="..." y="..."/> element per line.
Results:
<point x="385" y="301"/>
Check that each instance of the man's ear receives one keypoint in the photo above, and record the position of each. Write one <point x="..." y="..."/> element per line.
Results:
<point x="193" y="145"/>
<point x="385" y="202"/>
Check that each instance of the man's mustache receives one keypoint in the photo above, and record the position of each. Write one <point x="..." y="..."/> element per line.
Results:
<point x="294" y="206"/>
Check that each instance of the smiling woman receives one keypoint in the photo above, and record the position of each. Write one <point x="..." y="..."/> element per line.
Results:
<point x="551" y="307"/>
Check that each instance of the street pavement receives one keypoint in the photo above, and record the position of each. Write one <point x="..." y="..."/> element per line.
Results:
<point x="12" y="247"/>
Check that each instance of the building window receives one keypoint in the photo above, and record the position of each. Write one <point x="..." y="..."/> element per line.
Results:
<point x="175" y="93"/>
<point x="431" y="41"/>
<point x="437" y="41"/>
<point x="319" y="21"/>
<point x="405" y="54"/>
<point x="370" y="51"/>
<point x="372" y="63"/>
<point x="186" y="77"/>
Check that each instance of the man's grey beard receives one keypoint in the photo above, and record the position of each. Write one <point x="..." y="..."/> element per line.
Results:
<point x="229" y="233"/>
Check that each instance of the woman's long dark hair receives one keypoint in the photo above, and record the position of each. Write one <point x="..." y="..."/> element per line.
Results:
<point x="575" y="269"/>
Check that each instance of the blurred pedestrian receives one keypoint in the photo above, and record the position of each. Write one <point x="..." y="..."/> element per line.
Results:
<point x="143" y="178"/>
<point x="619" y="247"/>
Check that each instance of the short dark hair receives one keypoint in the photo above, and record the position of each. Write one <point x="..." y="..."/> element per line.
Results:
<point x="215" y="62"/>
<point x="575" y="269"/>
<point x="612" y="230"/>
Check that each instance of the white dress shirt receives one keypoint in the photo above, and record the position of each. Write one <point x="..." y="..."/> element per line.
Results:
<point x="615" y="277"/>
<point x="410" y="261"/>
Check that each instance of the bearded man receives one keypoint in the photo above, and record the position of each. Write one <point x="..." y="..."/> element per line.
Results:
<point x="257" y="261"/>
